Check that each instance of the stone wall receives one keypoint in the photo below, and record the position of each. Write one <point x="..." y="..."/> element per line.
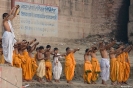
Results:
<point x="80" y="18"/>
<point x="110" y="16"/>
<point x="130" y="24"/>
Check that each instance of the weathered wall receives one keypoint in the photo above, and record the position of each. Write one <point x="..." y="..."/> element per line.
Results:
<point x="130" y="24"/>
<point x="80" y="18"/>
<point x="110" y="16"/>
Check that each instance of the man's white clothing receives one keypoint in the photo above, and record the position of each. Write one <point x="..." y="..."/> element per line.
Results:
<point x="8" y="41"/>
<point x="105" y="67"/>
<point x="57" y="67"/>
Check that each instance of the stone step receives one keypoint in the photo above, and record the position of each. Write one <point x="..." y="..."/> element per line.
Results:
<point x="76" y="84"/>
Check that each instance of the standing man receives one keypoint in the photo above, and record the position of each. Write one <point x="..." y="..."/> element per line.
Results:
<point x="48" y="63"/>
<point x="70" y="64"/>
<point x="104" y="63"/>
<point x="41" y="63"/>
<point x="87" y="74"/>
<point x="95" y="65"/>
<point x="8" y="38"/>
<point x="57" y="67"/>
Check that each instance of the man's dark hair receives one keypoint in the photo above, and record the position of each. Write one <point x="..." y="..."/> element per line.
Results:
<point x="95" y="48"/>
<point x="41" y="47"/>
<point x="67" y="48"/>
<point x="28" y="48"/>
<point x="24" y="40"/>
<point x="86" y="50"/>
<point x="55" y="49"/>
<point x="48" y="46"/>
<point x="4" y="15"/>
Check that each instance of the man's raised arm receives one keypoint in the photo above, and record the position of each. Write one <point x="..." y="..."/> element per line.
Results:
<point x="12" y="13"/>
<point x="119" y="50"/>
<point x="131" y="47"/>
<point x="108" y="46"/>
<point x="34" y="47"/>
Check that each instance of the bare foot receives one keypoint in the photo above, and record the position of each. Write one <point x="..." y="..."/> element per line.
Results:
<point x="40" y="80"/>
<point x="58" y="81"/>
<point x="24" y="80"/>
<point x="103" y="82"/>
<point x="47" y="80"/>
<point x="113" y="83"/>
<point x="69" y="82"/>
<point x="29" y="80"/>
<point x="50" y="81"/>
<point x="8" y="64"/>
<point x="93" y="83"/>
<point x="85" y="82"/>
<point x="125" y="83"/>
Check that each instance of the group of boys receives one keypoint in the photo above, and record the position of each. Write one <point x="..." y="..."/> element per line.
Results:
<point x="117" y="68"/>
<point x="40" y="65"/>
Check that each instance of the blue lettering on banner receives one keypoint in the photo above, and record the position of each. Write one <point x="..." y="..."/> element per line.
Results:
<point x="41" y="20"/>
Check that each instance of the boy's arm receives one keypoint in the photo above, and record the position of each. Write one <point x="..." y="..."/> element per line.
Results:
<point x="75" y="50"/>
<point x="32" y="41"/>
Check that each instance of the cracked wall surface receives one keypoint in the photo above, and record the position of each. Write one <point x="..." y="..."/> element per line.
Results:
<point x="80" y="18"/>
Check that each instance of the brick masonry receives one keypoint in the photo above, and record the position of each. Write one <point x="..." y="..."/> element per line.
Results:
<point x="80" y="18"/>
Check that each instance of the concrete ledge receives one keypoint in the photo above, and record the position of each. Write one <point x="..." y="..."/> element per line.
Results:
<point x="10" y="77"/>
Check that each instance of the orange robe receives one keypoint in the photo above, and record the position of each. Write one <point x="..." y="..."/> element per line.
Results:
<point x="120" y="70"/>
<point x="96" y="69"/>
<point x="69" y="66"/>
<point x="127" y="67"/>
<point x="23" y="64"/>
<point x="87" y="76"/>
<point x="48" y="69"/>
<point x="28" y="66"/>
<point x="113" y="69"/>
<point x="2" y="60"/>
<point x="16" y="60"/>
<point x="34" y="66"/>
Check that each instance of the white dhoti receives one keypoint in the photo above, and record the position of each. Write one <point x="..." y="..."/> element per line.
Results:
<point x="8" y="41"/>
<point x="7" y="45"/>
<point x="105" y="67"/>
<point x="41" y="68"/>
<point x="57" y="68"/>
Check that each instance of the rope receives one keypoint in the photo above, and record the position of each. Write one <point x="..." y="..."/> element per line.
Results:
<point x="9" y="82"/>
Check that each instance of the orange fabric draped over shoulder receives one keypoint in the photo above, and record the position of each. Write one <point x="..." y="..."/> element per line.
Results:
<point x="48" y="69"/>
<point x="95" y="69"/>
<point x="69" y="66"/>
<point x="114" y="69"/>
<point x="87" y="76"/>
<point x="2" y="60"/>
<point x="16" y="60"/>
